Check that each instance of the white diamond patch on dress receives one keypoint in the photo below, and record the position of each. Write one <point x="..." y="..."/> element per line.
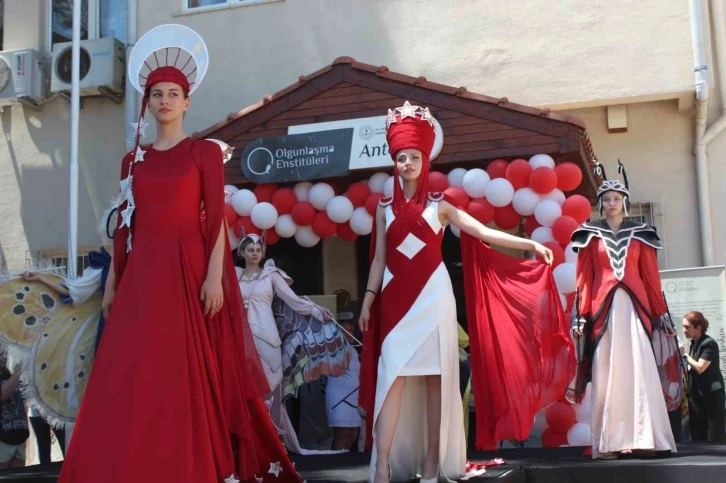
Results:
<point x="411" y="246"/>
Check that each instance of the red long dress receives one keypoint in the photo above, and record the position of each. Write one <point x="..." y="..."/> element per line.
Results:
<point x="175" y="396"/>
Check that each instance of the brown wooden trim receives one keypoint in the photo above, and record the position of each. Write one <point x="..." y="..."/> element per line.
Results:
<point x="322" y="104"/>
<point x="442" y="100"/>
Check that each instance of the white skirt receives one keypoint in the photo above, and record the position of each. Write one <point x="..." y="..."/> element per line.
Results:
<point x="424" y="342"/>
<point x="628" y="410"/>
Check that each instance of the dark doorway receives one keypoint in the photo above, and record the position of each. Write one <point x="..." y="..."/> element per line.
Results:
<point x="304" y="265"/>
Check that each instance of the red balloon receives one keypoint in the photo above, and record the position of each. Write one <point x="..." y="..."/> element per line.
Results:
<point x="481" y="210"/>
<point x="518" y="173"/>
<point x="569" y="176"/>
<point x="506" y="218"/>
<point x="303" y="213"/>
<point x="578" y="207"/>
<point x="458" y="197"/>
<point x="244" y="226"/>
<point x="530" y="224"/>
<point x="345" y="232"/>
<point x="562" y="229"/>
<point x="497" y="168"/>
<point x="543" y="180"/>
<point x="271" y="237"/>
<point x="558" y="254"/>
<point x="264" y="192"/>
<point x="358" y="193"/>
<point x="438" y="181"/>
<point x="323" y="226"/>
<point x="372" y="202"/>
<point x="284" y="200"/>
<point x="553" y="439"/>
<point x="560" y="417"/>
<point x="230" y="214"/>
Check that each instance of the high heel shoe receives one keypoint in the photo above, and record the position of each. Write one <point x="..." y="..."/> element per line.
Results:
<point x="435" y="479"/>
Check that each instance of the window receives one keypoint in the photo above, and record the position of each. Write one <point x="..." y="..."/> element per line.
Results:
<point x="99" y="18"/>
<point x="191" y="5"/>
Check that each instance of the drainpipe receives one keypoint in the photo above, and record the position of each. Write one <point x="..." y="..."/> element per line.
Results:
<point x="702" y="97"/>
<point x="130" y="94"/>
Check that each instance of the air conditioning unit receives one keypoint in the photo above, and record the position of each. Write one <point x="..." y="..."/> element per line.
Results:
<point x="22" y="78"/>
<point x="102" y="68"/>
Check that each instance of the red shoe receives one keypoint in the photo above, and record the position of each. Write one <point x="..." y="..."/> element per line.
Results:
<point x="588" y="452"/>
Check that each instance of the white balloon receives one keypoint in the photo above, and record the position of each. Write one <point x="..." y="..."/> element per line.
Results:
<point x="542" y="234"/>
<point x="524" y="201"/>
<point x="243" y="201"/>
<point x="539" y="160"/>
<point x="320" y="194"/>
<point x="570" y="254"/>
<point x="565" y="277"/>
<point x="302" y="190"/>
<point x="361" y="222"/>
<point x="456" y="177"/>
<point x="229" y="190"/>
<point x="376" y="182"/>
<point x="582" y="411"/>
<point x="264" y="215"/>
<point x="388" y="186"/>
<point x="546" y="212"/>
<point x="306" y="237"/>
<point x="555" y="195"/>
<point x="579" y="435"/>
<point x="475" y="182"/>
<point x="285" y="226"/>
<point x="339" y="209"/>
<point x="455" y="231"/>
<point x="499" y="192"/>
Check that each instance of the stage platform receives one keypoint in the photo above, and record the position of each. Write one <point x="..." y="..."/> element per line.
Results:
<point x="697" y="463"/>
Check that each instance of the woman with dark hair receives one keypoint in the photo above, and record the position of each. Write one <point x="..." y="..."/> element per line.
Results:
<point x="706" y="397"/>
<point x="297" y="340"/>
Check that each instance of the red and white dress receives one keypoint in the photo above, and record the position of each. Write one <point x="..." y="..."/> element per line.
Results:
<point x="629" y="354"/>
<point x="418" y="316"/>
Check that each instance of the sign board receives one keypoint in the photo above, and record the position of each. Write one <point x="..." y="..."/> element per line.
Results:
<point x="296" y="157"/>
<point x="702" y="289"/>
<point x="369" y="148"/>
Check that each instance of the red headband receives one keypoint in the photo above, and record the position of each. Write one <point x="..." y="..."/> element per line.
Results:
<point x="166" y="74"/>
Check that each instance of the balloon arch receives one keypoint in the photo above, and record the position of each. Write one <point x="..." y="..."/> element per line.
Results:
<point x="503" y="194"/>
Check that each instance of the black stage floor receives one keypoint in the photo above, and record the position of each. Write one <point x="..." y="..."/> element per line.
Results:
<point x="698" y="463"/>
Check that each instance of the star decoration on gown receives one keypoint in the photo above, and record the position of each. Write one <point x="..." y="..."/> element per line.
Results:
<point x="126" y="215"/>
<point x="139" y="128"/>
<point x="407" y="110"/>
<point x="139" y="157"/>
<point x="275" y="469"/>
<point x="231" y="479"/>
<point x="125" y="191"/>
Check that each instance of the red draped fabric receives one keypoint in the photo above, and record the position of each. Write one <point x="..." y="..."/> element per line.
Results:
<point x="179" y="391"/>
<point x="522" y="354"/>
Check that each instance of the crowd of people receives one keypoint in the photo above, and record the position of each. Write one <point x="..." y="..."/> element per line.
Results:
<point x="193" y="338"/>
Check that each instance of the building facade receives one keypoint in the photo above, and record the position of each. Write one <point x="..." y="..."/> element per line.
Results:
<point x="625" y="68"/>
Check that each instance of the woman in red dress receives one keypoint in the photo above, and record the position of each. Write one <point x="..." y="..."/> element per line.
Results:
<point x="410" y="368"/>
<point x="175" y="393"/>
<point x="630" y="351"/>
